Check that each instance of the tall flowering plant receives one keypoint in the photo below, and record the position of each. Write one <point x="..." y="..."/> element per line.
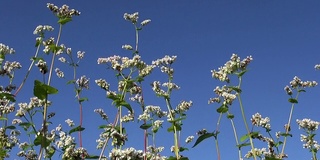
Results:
<point x="40" y="139"/>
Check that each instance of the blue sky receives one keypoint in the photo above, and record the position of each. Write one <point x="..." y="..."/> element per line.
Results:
<point x="283" y="38"/>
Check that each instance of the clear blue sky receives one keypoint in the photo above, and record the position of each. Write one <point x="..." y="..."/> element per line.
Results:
<point x="283" y="38"/>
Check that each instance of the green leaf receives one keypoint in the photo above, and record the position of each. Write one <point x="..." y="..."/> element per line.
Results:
<point x="25" y="125"/>
<point x="235" y="88"/>
<point x="243" y="145"/>
<point x="76" y="129"/>
<point x="203" y="137"/>
<point x="50" y="152"/>
<point x="40" y="139"/>
<point x="181" y="149"/>
<point x="41" y="90"/>
<point x="127" y="105"/>
<point x="292" y="100"/>
<point x="3" y="119"/>
<point x="7" y="96"/>
<point x="244" y="137"/>
<point x="145" y="126"/>
<point x="63" y="21"/>
<point x="222" y="109"/>
<point x="83" y="99"/>
<point x="230" y="116"/>
<point x="242" y="73"/>
<point x="102" y="126"/>
<point x="285" y="134"/>
<point x="10" y="127"/>
<point x="92" y="157"/>
<point x="254" y="134"/>
<point x="71" y="82"/>
<point x="177" y="120"/>
<point x="272" y="158"/>
<point x="171" y="128"/>
<point x="302" y="90"/>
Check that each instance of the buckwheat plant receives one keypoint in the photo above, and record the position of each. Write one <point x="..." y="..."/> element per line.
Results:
<point x="130" y="73"/>
<point x="175" y="115"/>
<point x="28" y="112"/>
<point x="226" y="96"/>
<point x="9" y="135"/>
<point x="296" y="86"/>
<point x="309" y="127"/>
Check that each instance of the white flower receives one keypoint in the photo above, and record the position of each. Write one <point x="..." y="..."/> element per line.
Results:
<point x="145" y="22"/>
<point x="69" y="122"/>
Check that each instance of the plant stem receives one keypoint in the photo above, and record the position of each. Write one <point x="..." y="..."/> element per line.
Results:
<point x="236" y="137"/>
<point x="176" y="144"/>
<point x="28" y="72"/>
<point x="46" y="100"/>
<point x="216" y="138"/>
<point x="245" y="121"/>
<point x="287" y="127"/>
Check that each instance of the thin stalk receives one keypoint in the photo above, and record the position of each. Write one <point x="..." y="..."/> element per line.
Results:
<point x="236" y="137"/>
<point x="176" y="144"/>
<point x="28" y="72"/>
<point x="245" y="121"/>
<point x="137" y="38"/>
<point x="46" y="100"/>
<point x="216" y="138"/>
<point x="54" y="55"/>
<point x="288" y="127"/>
<point x="115" y="122"/>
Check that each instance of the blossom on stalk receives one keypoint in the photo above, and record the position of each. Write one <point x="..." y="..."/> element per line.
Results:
<point x="4" y="49"/>
<point x="233" y="66"/>
<point x="257" y="120"/>
<point x="131" y="17"/>
<point x="103" y="84"/>
<point x="183" y="106"/>
<point x="63" y="12"/>
<point x="127" y="47"/>
<point x="40" y="29"/>
<point x="224" y="94"/>
<point x="80" y="54"/>
<point x="83" y="82"/>
<point x="59" y="73"/>
<point x="189" y="139"/>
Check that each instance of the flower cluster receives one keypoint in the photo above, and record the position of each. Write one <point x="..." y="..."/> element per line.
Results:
<point x="63" y="12"/>
<point x="257" y="120"/>
<point x="165" y="64"/>
<point x="34" y="103"/>
<point x="101" y="113"/>
<point x="189" y="139"/>
<point x="8" y="141"/>
<point x="4" y="49"/>
<point x="151" y="111"/>
<point x="154" y="153"/>
<point x="42" y="65"/>
<point x="110" y="132"/>
<point x="120" y="63"/>
<point x="40" y="29"/>
<point x="183" y="106"/>
<point x="257" y="152"/>
<point x="224" y="93"/>
<point x="233" y="66"/>
<point x="131" y="17"/>
<point x="83" y="82"/>
<point x="59" y="73"/>
<point x="297" y="82"/>
<point x="126" y="154"/>
<point x="309" y="126"/>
